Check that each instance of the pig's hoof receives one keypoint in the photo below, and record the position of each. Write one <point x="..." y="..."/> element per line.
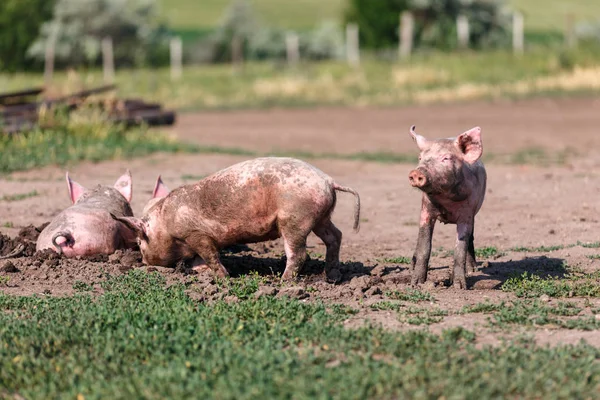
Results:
<point x="289" y="276"/>
<point x="333" y="276"/>
<point x="460" y="284"/>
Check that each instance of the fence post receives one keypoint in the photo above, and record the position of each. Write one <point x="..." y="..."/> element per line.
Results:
<point x="462" y="30"/>
<point x="518" y="32"/>
<point x="406" y="34"/>
<point x="237" y="56"/>
<point x="176" y="57"/>
<point x="570" y="36"/>
<point x="352" y="45"/>
<point x="176" y="48"/>
<point x="292" y="45"/>
<point x="108" y="62"/>
<point x="49" y="55"/>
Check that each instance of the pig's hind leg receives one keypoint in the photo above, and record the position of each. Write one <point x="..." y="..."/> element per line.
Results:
<point x="294" y="241"/>
<point x="332" y="237"/>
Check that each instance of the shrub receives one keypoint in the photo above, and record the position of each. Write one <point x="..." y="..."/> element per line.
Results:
<point x="20" y="22"/>
<point x="80" y="26"/>
<point x="435" y="22"/>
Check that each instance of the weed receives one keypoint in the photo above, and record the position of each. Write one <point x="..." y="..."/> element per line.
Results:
<point x="8" y="224"/>
<point x="485" y="307"/>
<point x="422" y="316"/>
<point x="242" y="287"/>
<point x="4" y="280"/>
<point x="80" y="286"/>
<point x="590" y="245"/>
<point x="398" y="260"/>
<point x="19" y="196"/>
<point x="487" y="252"/>
<point x="574" y="284"/>
<point x="540" y="249"/>
<point x="412" y="295"/>
<point x="386" y="305"/>
<point x="594" y="257"/>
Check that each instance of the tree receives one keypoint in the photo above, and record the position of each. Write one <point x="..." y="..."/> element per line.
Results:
<point x="20" y="22"/>
<point x="435" y="22"/>
<point x="80" y="26"/>
<point x="377" y="20"/>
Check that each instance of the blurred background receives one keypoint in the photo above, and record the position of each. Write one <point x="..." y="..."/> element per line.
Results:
<point x="218" y="54"/>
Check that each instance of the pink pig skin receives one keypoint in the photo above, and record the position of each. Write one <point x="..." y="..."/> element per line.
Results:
<point x="253" y="201"/>
<point x="453" y="182"/>
<point x="87" y="228"/>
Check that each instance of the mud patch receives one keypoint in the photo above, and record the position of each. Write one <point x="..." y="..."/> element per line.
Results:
<point x="23" y="245"/>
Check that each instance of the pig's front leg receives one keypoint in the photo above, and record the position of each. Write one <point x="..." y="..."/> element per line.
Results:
<point x="458" y="276"/>
<point x="471" y="260"/>
<point x="420" y="260"/>
<point x="205" y="247"/>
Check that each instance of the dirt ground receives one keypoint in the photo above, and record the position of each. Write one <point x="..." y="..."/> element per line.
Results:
<point x="527" y="205"/>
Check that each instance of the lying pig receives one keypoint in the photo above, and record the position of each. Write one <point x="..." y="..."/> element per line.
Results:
<point x="452" y="179"/>
<point x="253" y="201"/>
<point x="86" y="227"/>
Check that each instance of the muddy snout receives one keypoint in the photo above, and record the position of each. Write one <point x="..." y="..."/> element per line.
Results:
<point x="417" y="179"/>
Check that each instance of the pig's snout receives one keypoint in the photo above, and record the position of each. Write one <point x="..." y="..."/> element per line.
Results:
<point x="417" y="179"/>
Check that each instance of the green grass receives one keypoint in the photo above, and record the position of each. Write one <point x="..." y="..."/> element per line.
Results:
<point x="82" y="137"/>
<point x="19" y="196"/>
<point x="427" y="78"/>
<point x="487" y="252"/>
<point x="300" y="14"/>
<point x="551" y="15"/>
<point x="539" y="249"/>
<point x="386" y="306"/>
<point x="398" y="260"/>
<point x="141" y="339"/>
<point x="412" y="295"/>
<point x="8" y="224"/>
<point x="573" y="284"/>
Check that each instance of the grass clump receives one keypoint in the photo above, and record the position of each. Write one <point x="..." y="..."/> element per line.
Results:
<point x="386" y="306"/>
<point x="529" y="285"/>
<point x="398" y="260"/>
<point x="84" y="136"/>
<point x="140" y="338"/>
<point x="19" y="196"/>
<point x="488" y="252"/>
<point x="411" y="295"/>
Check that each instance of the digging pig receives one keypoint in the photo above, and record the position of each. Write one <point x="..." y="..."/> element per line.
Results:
<point x="253" y="201"/>
<point x="87" y="227"/>
<point x="452" y="178"/>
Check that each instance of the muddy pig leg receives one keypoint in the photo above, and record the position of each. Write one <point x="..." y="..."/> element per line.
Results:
<point x="471" y="260"/>
<point x="458" y="275"/>
<point x="420" y="260"/>
<point x="205" y="248"/>
<point x="332" y="237"/>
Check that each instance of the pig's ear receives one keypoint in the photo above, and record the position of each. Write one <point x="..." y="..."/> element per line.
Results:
<point x="75" y="189"/>
<point x="124" y="184"/>
<point x="136" y="225"/>
<point x="469" y="143"/>
<point x="420" y="140"/>
<point x="160" y="189"/>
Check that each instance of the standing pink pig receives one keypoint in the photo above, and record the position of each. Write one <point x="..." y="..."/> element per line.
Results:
<point x="253" y="201"/>
<point x="452" y="179"/>
<point x="87" y="228"/>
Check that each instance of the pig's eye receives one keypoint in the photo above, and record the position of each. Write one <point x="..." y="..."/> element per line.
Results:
<point x="446" y="158"/>
<point x="419" y="158"/>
